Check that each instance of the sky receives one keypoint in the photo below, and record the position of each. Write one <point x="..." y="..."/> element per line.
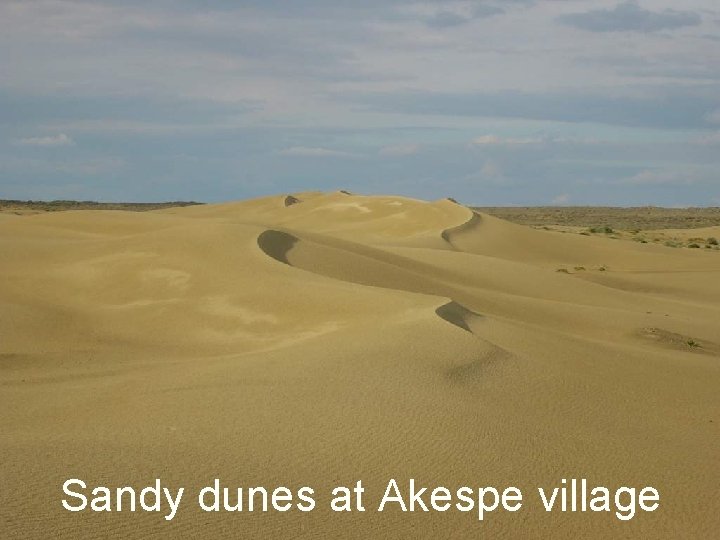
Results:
<point x="512" y="102"/>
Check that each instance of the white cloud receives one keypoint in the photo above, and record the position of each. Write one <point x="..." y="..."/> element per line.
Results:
<point x="308" y="151"/>
<point x="490" y="174"/>
<point x="494" y="140"/>
<point x="630" y="16"/>
<point x="563" y="198"/>
<point x="61" y="139"/>
<point x="708" y="140"/>
<point x="152" y="127"/>
<point x="491" y="169"/>
<point x="713" y="117"/>
<point x="662" y="177"/>
<point x="399" y="150"/>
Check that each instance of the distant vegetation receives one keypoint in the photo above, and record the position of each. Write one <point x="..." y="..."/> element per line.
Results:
<point x="606" y="229"/>
<point x="10" y="205"/>
<point x="601" y="218"/>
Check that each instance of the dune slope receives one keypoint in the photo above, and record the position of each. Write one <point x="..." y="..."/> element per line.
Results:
<point x="318" y="339"/>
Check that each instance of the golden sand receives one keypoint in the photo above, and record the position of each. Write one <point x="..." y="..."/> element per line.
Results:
<point x="321" y="339"/>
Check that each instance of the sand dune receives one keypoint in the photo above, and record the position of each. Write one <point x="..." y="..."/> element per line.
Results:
<point x="317" y="339"/>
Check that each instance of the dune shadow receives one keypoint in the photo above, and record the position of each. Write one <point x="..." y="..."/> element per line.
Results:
<point x="276" y="244"/>
<point x="456" y="314"/>
<point x="451" y="234"/>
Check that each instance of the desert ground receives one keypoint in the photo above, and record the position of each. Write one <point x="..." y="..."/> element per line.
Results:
<point x="636" y="218"/>
<point x="317" y="339"/>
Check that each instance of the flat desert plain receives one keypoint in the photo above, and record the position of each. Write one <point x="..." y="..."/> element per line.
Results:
<point x="320" y="339"/>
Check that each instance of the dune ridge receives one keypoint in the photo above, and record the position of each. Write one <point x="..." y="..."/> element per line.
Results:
<point x="320" y="338"/>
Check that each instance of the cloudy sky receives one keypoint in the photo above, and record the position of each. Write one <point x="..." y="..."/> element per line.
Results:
<point x="488" y="101"/>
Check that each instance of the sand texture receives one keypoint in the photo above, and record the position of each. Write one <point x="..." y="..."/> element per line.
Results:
<point x="318" y="339"/>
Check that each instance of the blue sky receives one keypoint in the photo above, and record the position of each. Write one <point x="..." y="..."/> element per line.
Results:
<point x="514" y="102"/>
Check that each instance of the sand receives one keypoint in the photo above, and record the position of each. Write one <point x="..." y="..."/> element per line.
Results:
<point x="319" y="339"/>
